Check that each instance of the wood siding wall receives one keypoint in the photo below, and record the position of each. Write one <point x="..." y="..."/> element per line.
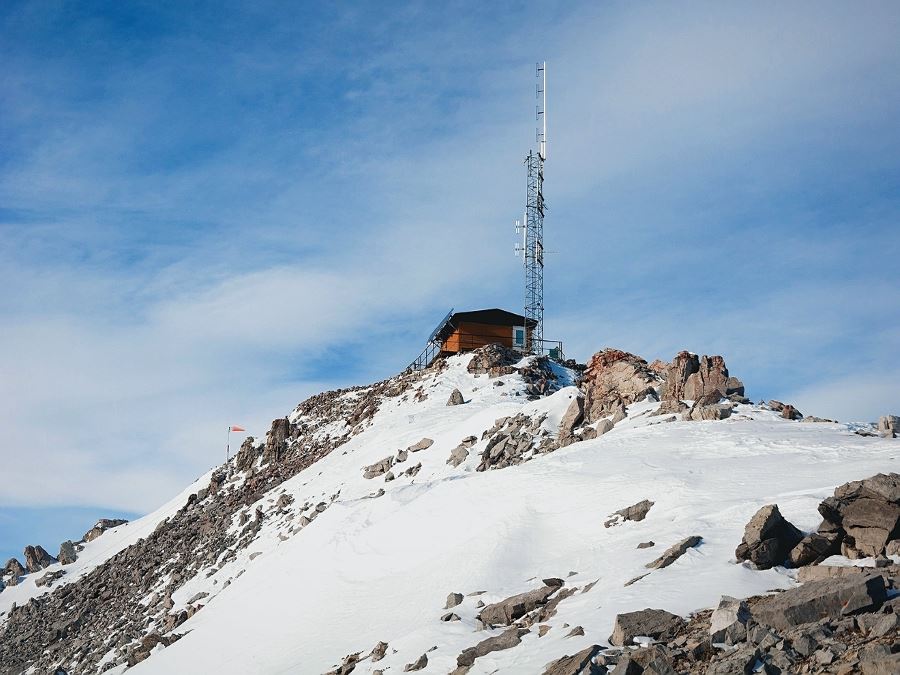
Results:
<point x="469" y="336"/>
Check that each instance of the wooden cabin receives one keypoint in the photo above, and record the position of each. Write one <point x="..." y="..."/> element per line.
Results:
<point x="465" y="331"/>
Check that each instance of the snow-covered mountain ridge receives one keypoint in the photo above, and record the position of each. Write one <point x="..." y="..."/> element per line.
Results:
<point x="361" y="511"/>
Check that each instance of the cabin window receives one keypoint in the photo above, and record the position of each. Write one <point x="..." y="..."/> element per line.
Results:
<point x="518" y="336"/>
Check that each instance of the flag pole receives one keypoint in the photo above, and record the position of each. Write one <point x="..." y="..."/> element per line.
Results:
<point x="228" y="446"/>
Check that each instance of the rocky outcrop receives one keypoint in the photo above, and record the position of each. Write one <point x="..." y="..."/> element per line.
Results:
<point x="844" y="625"/>
<point x="889" y="426"/>
<point x="864" y="515"/>
<point x="494" y="360"/>
<point x="456" y="398"/>
<point x="513" y="440"/>
<point x="506" y="611"/>
<point x="36" y="558"/>
<point x="133" y="589"/>
<point x="653" y="623"/>
<point x="614" y="379"/>
<point x="13" y="571"/>
<point x="277" y="440"/>
<point x="102" y="526"/>
<point x="67" y="553"/>
<point x="768" y="538"/>
<point x="636" y="512"/>
<point x="689" y="377"/>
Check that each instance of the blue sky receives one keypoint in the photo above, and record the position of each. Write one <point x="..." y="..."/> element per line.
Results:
<point x="209" y="212"/>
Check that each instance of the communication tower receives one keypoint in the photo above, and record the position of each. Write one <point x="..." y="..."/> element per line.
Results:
<point x="532" y="226"/>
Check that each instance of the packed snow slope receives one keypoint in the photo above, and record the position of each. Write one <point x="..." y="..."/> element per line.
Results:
<point x="372" y="569"/>
<point x="361" y="511"/>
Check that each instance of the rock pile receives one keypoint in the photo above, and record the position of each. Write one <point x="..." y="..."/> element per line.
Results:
<point x="513" y="440"/>
<point x="849" y="626"/>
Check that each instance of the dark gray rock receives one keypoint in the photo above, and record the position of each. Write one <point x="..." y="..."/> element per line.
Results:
<point x="577" y="664"/>
<point x="729" y="622"/>
<point x="814" y="548"/>
<point x="506" y="640"/>
<point x="636" y="512"/>
<point x="768" y="538"/>
<point x="453" y="600"/>
<point x="654" y="623"/>
<point x="817" y="600"/>
<point x="456" y="398"/>
<point x="506" y="611"/>
<point x="673" y="553"/>
<point x="67" y="553"/>
<point x="866" y="513"/>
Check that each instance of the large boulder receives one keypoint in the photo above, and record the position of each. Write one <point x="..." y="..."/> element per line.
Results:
<point x="506" y="611"/>
<point x="102" y="526"/>
<point x="728" y="622"/>
<point x="864" y="514"/>
<point x="691" y="377"/>
<point x="456" y="398"/>
<point x="653" y="623"/>
<point x="614" y="379"/>
<point x="814" y="548"/>
<point x="768" y="538"/>
<point x="815" y="600"/>
<point x="36" y="558"/>
<point x="570" y="421"/>
<point x="67" y="553"/>
<point x="889" y="426"/>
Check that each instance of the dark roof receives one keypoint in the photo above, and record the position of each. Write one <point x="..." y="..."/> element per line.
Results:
<point x="492" y="317"/>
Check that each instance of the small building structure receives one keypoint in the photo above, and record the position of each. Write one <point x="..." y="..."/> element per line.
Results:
<point x="467" y="331"/>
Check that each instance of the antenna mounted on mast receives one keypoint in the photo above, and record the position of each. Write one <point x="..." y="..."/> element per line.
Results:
<point x="532" y="229"/>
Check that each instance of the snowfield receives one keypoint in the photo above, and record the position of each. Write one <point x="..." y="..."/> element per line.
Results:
<point x="376" y="567"/>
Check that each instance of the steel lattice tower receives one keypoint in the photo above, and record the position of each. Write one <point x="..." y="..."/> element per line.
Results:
<point x="533" y="243"/>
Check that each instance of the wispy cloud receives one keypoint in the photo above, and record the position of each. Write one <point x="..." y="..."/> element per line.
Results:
<point x="208" y="215"/>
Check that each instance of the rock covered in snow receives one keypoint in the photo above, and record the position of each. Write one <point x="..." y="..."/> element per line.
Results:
<point x="674" y="552"/>
<point x="636" y="512"/>
<point x="506" y="611"/>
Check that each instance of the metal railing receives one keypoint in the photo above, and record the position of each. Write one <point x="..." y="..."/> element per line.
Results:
<point x="468" y="342"/>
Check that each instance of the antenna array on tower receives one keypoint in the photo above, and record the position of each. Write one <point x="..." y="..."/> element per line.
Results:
<point x="532" y="227"/>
